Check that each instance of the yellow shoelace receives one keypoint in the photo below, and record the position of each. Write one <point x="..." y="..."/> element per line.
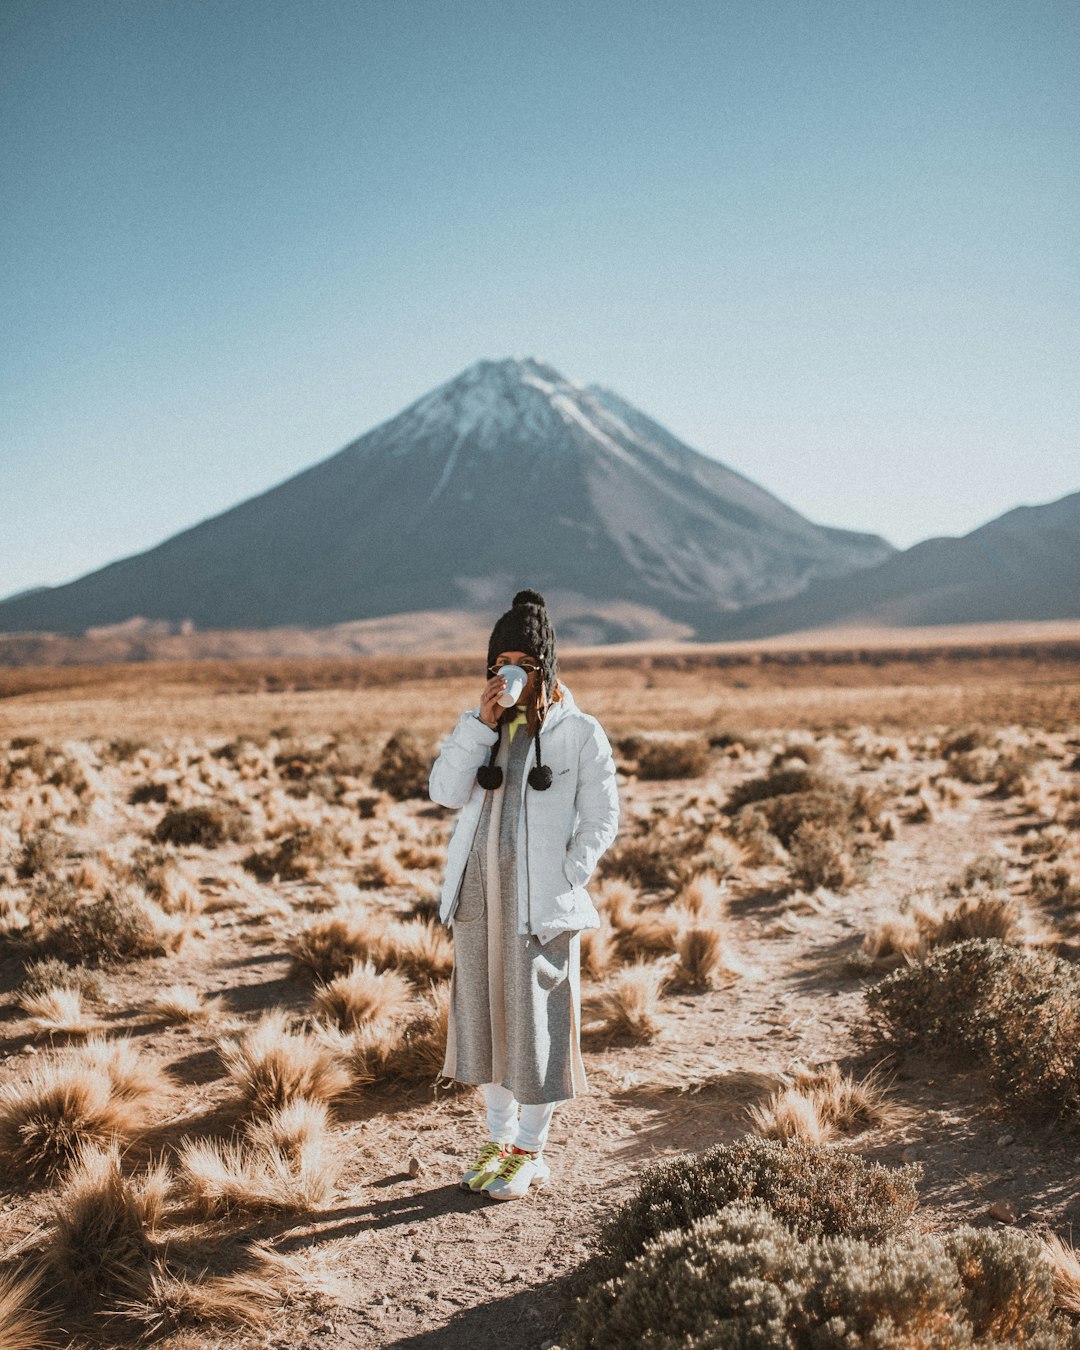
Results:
<point x="486" y="1154"/>
<point x="513" y="1164"/>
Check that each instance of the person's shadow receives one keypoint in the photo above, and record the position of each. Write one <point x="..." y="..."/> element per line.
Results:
<point x="382" y="1214"/>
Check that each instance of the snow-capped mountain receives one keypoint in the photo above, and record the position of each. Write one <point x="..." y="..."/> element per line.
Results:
<point x="507" y="475"/>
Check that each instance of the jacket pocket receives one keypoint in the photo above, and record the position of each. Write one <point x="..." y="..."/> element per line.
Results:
<point x="472" y="902"/>
<point x="552" y="960"/>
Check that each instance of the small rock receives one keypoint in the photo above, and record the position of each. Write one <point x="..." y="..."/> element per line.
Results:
<point x="416" y="1167"/>
<point x="1004" y="1211"/>
<point x="550" y="1345"/>
<point x="417" y="1256"/>
<point x="1005" y="1140"/>
<point x="909" y="1155"/>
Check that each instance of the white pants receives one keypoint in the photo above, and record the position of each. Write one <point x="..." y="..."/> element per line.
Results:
<point x="502" y="1118"/>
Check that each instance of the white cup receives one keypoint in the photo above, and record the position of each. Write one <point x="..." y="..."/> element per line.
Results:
<point x="516" y="680"/>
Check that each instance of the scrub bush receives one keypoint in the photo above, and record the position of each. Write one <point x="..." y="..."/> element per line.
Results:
<point x="206" y="826"/>
<point x="821" y="855"/>
<point x="673" y="759"/>
<point x="295" y="855"/>
<point x="816" y="1189"/>
<point x="40" y="852"/>
<point x="1013" y="1011"/>
<point x="403" y="768"/>
<point x="121" y="924"/>
<point x="741" y="1278"/>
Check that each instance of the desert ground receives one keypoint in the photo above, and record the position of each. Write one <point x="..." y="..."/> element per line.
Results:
<point x="222" y="986"/>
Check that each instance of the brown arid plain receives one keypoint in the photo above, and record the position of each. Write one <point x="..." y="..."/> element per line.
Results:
<point x="841" y="924"/>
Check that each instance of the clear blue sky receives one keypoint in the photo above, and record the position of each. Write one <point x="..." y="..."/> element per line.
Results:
<point x="833" y="243"/>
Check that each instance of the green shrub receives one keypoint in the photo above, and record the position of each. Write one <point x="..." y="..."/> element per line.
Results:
<point x="740" y="1279"/>
<point x="403" y="768"/>
<point x="673" y="759"/>
<point x="1013" y="1011"/>
<point x="207" y="826"/>
<point x="815" y="1189"/>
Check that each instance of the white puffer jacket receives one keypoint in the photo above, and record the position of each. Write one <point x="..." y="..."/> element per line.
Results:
<point x="561" y="832"/>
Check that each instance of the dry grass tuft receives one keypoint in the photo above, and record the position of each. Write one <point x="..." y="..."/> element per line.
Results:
<point x="629" y="1004"/>
<point x="616" y="898"/>
<point x="46" y="1116"/>
<point x="167" y="880"/>
<point x="704" y="958"/>
<point x="292" y="1130"/>
<point x="926" y="920"/>
<point x="703" y="897"/>
<point x="598" y="949"/>
<point x="647" y="931"/>
<point x="121" y="924"/>
<point x="330" y="946"/>
<point x="152" y="1189"/>
<point x="403" y="767"/>
<point x="364" y="994"/>
<point x="50" y="973"/>
<point x="423" y="1045"/>
<point x="59" y="1012"/>
<point x="410" y="1054"/>
<point x="381" y="868"/>
<point x="790" y="1113"/>
<point x="181" y="1003"/>
<point x="137" y="1081"/>
<point x="22" y="1327"/>
<point x="418" y="948"/>
<point x="273" y="1066"/>
<point x="1065" y="1260"/>
<point x="99" y="1250"/>
<point x="247" y="1298"/>
<point x="686" y="757"/>
<point x="286" y="1164"/>
<point x="822" y="1103"/>
<point x="96" y="1094"/>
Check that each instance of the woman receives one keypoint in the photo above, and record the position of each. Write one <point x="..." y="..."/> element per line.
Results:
<point x="535" y="819"/>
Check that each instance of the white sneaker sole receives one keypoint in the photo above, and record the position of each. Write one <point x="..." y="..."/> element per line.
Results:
<point x="537" y="1184"/>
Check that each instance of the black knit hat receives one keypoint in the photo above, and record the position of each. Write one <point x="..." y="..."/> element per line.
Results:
<point x="525" y="627"/>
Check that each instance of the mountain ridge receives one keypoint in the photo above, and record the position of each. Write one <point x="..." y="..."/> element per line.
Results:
<point x="604" y="503"/>
<point x="1021" y="565"/>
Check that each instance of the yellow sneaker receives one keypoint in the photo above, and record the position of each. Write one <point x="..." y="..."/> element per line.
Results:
<point x="517" y="1172"/>
<point x="485" y="1165"/>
